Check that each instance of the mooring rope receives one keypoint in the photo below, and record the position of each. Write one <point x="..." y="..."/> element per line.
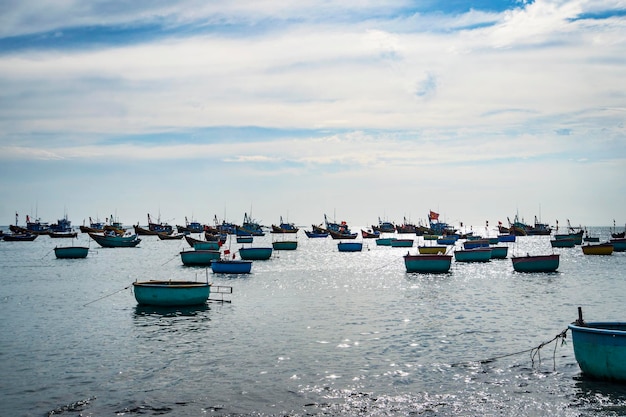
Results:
<point x="108" y="295"/>
<point x="534" y="352"/>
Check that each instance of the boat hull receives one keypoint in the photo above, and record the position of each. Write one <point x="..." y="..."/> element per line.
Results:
<point x="231" y="267"/>
<point x="116" y="241"/>
<point x="171" y="293"/>
<point x="385" y="241"/>
<point x="473" y="255"/>
<point x="255" y="254"/>
<point x="600" y="349"/>
<point x="499" y="252"/>
<point x="563" y="243"/>
<point x="198" y="257"/>
<point x="537" y="263"/>
<point x="599" y="249"/>
<point x="71" y="252"/>
<point x="285" y="245"/>
<point x="402" y="243"/>
<point x="619" y="244"/>
<point x="350" y="246"/>
<point x="432" y="250"/>
<point x="434" y="264"/>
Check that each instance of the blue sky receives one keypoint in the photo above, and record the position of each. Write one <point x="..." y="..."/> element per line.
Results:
<point x="358" y="109"/>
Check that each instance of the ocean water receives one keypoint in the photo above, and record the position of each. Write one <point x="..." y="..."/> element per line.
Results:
<point x="310" y="332"/>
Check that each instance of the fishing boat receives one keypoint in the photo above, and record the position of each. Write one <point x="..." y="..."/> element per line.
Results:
<point x="57" y="235"/>
<point x="249" y="227"/>
<point x="284" y="227"/>
<point x="339" y="230"/>
<point x="619" y="244"/>
<point x="285" y="245"/>
<point x="476" y="243"/>
<point x="566" y="242"/>
<point x="19" y="237"/>
<point x="173" y="236"/>
<point x="33" y="226"/>
<point x="350" y="246"/>
<point x="384" y="226"/>
<point x="614" y="234"/>
<point x="407" y="227"/>
<point x="536" y="263"/>
<point x="94" y="227"/>
<point x="190" y="227"/>
<point x="171" y="293"/>
<point x="71" y="252"/>
<point x="432" y="249"/>
<point x="427" y="263"/>
<point x="598" y="249"/>
<point x="506" y="238"/>
<point x="385" y="241"/>
<point x="402" y="243"/>
<point x="115" y="241"/>
<point x="600" y="348"/>
<point x="447" y="240"/>
<point x="370" y="234"/>
<point x="199" y="257"/>
<point x="255" y="253"/>
<point x="499" y="252"/>
<point x="231" y="266"/>
<point x="473" y="255"/>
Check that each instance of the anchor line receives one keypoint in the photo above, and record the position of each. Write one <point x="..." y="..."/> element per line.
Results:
<point x="108" y="295"/>
<point x="535" y="352"/>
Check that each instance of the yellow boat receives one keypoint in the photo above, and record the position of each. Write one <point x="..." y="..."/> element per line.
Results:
<point x="432" y="250"/>
<point x="600" y="249"/>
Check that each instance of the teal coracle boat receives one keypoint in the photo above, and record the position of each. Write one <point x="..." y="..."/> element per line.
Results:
<point x="245" y="239"/>
<point x="225" y="266"/>
<point x="402" y="243"/>
<point x="350" y="246"/>
<point x="171" y="293"/>
<point x="198" y="257"/>
<point x="565" y="242"/>
<point x="473" y="255"/>
<point x="499" y="252"/>
<point x="536" y="263"/>
<point x="255" y="254"/>
<point x="426" y="263"/>
<point x="619" y="244"/>
<point x="285" y="245"/>
<point x="476" y="243"/>
<point x="385" y="241"/>
<point x="71" y="252"/>
<point x="600" y="349"/>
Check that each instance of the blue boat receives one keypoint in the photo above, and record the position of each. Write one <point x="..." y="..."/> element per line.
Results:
<point x="536" y="263"/>
<point x="385" y="241"/>
<point x="285" y="245"/>
<point x="619" y="244"/>
<point x="314" y="234"/>
<point x="249" y="227"/>
<point x="447" y="240"/>
<point x="473" y="255"/>
<point x="115" y="241"/>
<point x="199" y="257"/>
<point x="171" y="293"/>
<point x="402" y="243"/>
<point x="427" y="263"/>
<point x="226" y="266"/>
<point x="384" y="226"/>
<point x="350" y="246"/>
<point x="476" y="243"/>
<point x="255" y="254"/>
<point x="62" y="225"/>
<point x="564" y="242"/>
<point x="284" y="227"/>
<point x="506" y="238"/>
<point x="600" y="348"/>
<point x="71" y="252"/>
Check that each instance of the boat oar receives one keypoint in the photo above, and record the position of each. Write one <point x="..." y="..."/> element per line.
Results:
<point x="108" y="295"/>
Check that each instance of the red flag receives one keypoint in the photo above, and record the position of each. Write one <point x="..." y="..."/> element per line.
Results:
<point x="433" y="215"/>
<point x="226" y="252"/>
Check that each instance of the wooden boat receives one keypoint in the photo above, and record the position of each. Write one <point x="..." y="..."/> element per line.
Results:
<point x="339" y="230"/>
<point x="19" y="237"/>
<point x="190" y="227"/>
<point x="94" y="227"/>
<point x="385" y="241"/>
<point x="71" y="252"/>
<point x="115" y="241"/>
<point x="255" y="254"/>
<point x="158" y="226"/>
<point x="285" y="245"/>
<point x="202" y="244"/>
<point x="142" y="231"/>
<point x="198" y="257"/>
<point x="171" y="293"/>
<point x="563" y="243"/>
<point x="56" y="235"/>
<point x="314" y="234"/>
<point x="576" y="237"/>
<point x="384" y="227"/>
<point x="249" y="227"/>
<point x="473" y="255"/>
<point x="284" y="227"/>
<point x="432" y="250"/>
<point x="619" y="244"/>
<point x="598" y="249"/>
<point x="536" y="263"/>
<point x="369" y="234"/>
<point x="231" y="266"/>
<point x="173" y="236"/>
<point x="600" y="348"/>
<point x="402" y="243"/>
<point x="426" y="263"/>
<point x="350" y="246"/>
<point x="499" y="252"/>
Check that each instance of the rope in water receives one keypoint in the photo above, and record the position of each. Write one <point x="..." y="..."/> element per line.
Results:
<point x="108" y="295"/>
<point x="535" y="352"/>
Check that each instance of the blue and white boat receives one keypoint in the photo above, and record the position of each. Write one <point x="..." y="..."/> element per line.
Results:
<point x="350" y="246"/>
<point x="600" y="348"/>
<point x="427" y="263"/>
<point x="171" y="293"/>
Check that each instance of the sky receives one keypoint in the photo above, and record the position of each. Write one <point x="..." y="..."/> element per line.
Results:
<point x="477" y="110"/>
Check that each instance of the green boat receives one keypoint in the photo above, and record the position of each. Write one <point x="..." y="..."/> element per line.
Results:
<point x="171" y="293"/>
<point x="285" y="245"/>
<point x="199" y="257"/>
<point x="255" y="254"/>
<point x="71" y="252"/>
<point x="424" y="263"/>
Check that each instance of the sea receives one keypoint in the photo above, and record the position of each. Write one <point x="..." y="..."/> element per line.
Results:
<point x="310" y="332"/>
